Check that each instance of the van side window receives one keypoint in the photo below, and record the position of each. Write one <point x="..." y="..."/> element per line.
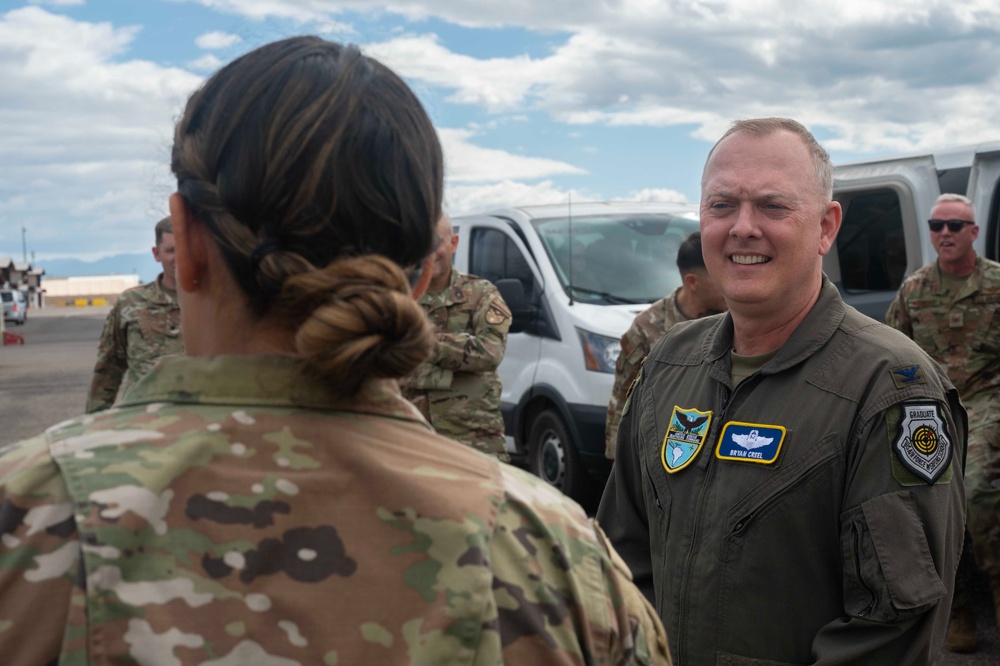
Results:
<point x="495" y="257"/>
<point x="871" y="245"/>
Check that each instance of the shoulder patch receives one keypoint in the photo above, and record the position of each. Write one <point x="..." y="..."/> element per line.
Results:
<point x="907" y="375"/>
<point x="497" y="312"/>
<point x="922" y="444"/>
<point x="686" y="433"/>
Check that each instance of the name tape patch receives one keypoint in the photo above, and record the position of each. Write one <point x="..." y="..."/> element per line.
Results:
<point x="686" y="433"/>
<point x="750" y="442"/>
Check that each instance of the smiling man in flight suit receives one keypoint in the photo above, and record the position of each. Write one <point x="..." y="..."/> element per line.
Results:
<point x="789" y="480"/>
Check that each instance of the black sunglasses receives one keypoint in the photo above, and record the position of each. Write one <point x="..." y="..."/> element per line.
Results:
<point x="954" y="226"/>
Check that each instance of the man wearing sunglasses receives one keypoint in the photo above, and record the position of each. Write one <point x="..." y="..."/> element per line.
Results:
<point x="951" y="308"/>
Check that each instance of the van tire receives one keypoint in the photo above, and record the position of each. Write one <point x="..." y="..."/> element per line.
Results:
<point x="553" y="458"/>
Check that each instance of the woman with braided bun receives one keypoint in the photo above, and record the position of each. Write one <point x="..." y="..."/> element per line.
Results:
<point x="270" y="499"/>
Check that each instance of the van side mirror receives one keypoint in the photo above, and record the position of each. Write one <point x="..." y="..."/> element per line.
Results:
<point x="521" y="311"/>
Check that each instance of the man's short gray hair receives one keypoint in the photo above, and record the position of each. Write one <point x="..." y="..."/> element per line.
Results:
<point x="761" y="127"/>
<point x="961" y="198"/>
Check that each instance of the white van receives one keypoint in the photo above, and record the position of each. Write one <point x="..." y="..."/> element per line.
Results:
<point x="575" y="278"/>
<point x="884" y="235"/>
<point x="559" y="367"/>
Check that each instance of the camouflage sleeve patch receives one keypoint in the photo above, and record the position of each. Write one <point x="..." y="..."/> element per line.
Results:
<point x="498" y="312"/>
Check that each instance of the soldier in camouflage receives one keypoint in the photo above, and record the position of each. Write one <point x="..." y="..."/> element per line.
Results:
<point x="458" y="389"/>
<point x="698" y="296"/>
<point x="951" y="308"/>
<point x="143" y="325"/>
<point x="271" y="498"/>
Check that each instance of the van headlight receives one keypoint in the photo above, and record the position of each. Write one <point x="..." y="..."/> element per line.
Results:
<point x="599" y="351"/>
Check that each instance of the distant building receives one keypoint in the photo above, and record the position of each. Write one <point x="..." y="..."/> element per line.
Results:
<point x="87" y="288"/>
<point x="22" y="275"/>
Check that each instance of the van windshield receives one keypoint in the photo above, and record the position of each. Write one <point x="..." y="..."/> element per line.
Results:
<point x="612" y="259"/>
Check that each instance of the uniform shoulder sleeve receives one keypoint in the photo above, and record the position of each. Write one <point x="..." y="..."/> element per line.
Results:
<point x="39" y="557"/>
<point x="560" y="585"/>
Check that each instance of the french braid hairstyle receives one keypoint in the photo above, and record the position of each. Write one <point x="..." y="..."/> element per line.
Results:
<point x="319" y="175"/>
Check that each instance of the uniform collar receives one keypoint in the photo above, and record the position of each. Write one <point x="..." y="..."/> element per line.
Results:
<point x="160" y="294"/>
<point x="811" y="334"/>
<point x="973" y="282"/>
<point x="673" y="307"/>
<point x="261" y="381"/>
<point x="453" y="293"/>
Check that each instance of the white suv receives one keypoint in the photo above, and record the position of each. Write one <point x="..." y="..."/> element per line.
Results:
<point x="575" y="278"/>
<point x="15" y="305"/>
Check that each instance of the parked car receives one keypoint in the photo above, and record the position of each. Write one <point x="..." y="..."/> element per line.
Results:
<point x="15" y="305"/>
<point x="574" y="278"/>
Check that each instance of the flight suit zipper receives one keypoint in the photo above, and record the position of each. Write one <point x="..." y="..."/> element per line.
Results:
<point x="686" y="586"/>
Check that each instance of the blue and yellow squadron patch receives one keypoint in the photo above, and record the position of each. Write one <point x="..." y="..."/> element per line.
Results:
<point x="907" y="375"/>
<point x="923" y="445"/>
<point x="750" y="442"/>
<point x="686" y="433"/>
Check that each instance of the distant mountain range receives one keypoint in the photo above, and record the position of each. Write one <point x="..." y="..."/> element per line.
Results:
<point x="142" y="264"/>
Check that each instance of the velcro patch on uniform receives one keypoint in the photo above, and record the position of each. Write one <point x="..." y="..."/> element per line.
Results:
<point x="497" y="313"/>
<point x="750" y="442"/>
<point x="686" y="433"/>
<point x="922" y="444"/>
<point x="907" y="375"/>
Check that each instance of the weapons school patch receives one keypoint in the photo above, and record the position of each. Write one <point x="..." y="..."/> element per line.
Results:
<point x="686" y="433"/>
<point x="923" y="444"/>
<point x="907" y="375"/>
<point x="750" y="442"/>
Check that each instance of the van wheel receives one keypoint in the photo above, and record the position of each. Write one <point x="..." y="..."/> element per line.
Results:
<point x="553" y="458"/>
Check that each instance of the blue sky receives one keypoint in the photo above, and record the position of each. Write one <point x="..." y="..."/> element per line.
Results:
<point x="534" y="101"/>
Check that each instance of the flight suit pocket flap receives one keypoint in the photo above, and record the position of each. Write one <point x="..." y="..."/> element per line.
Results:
<point x="903" y="552"/>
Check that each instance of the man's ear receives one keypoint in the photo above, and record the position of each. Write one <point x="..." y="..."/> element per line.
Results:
<point x="690" y="280"/>
<point x="829" y="226"/>
<point x="426" y="272"/>
<point x="190" y="238"/>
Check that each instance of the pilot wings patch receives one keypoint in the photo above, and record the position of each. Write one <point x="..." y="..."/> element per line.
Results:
<point x="750" y="442"/>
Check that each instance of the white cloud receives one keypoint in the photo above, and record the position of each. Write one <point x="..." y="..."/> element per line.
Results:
<point x="461" y="199"/>
<point x="84" y="134"/>
<point x="657" y="194"/>
<point x="57" y="3"/>
<point x="207" y="63"/>
<point x="875" y="75"/>
<point x="466" y="162"/>
<point x="217" y="40"/>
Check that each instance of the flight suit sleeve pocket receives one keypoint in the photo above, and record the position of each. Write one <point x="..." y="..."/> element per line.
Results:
<point x="893" y="574"/>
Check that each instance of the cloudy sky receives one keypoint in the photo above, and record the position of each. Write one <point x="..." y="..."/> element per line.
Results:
<point x="534" y="99"/>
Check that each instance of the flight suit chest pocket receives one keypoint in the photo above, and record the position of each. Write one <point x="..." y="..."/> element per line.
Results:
<point x="784" y="530"/>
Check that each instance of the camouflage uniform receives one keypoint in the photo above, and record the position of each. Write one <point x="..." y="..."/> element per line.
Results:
<point x="143" y="325"/>
<point x="458" y="389"/>
<point x="961" y="331"/>
<point x="230" y="511"/>
<point x="648" y="327"/>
